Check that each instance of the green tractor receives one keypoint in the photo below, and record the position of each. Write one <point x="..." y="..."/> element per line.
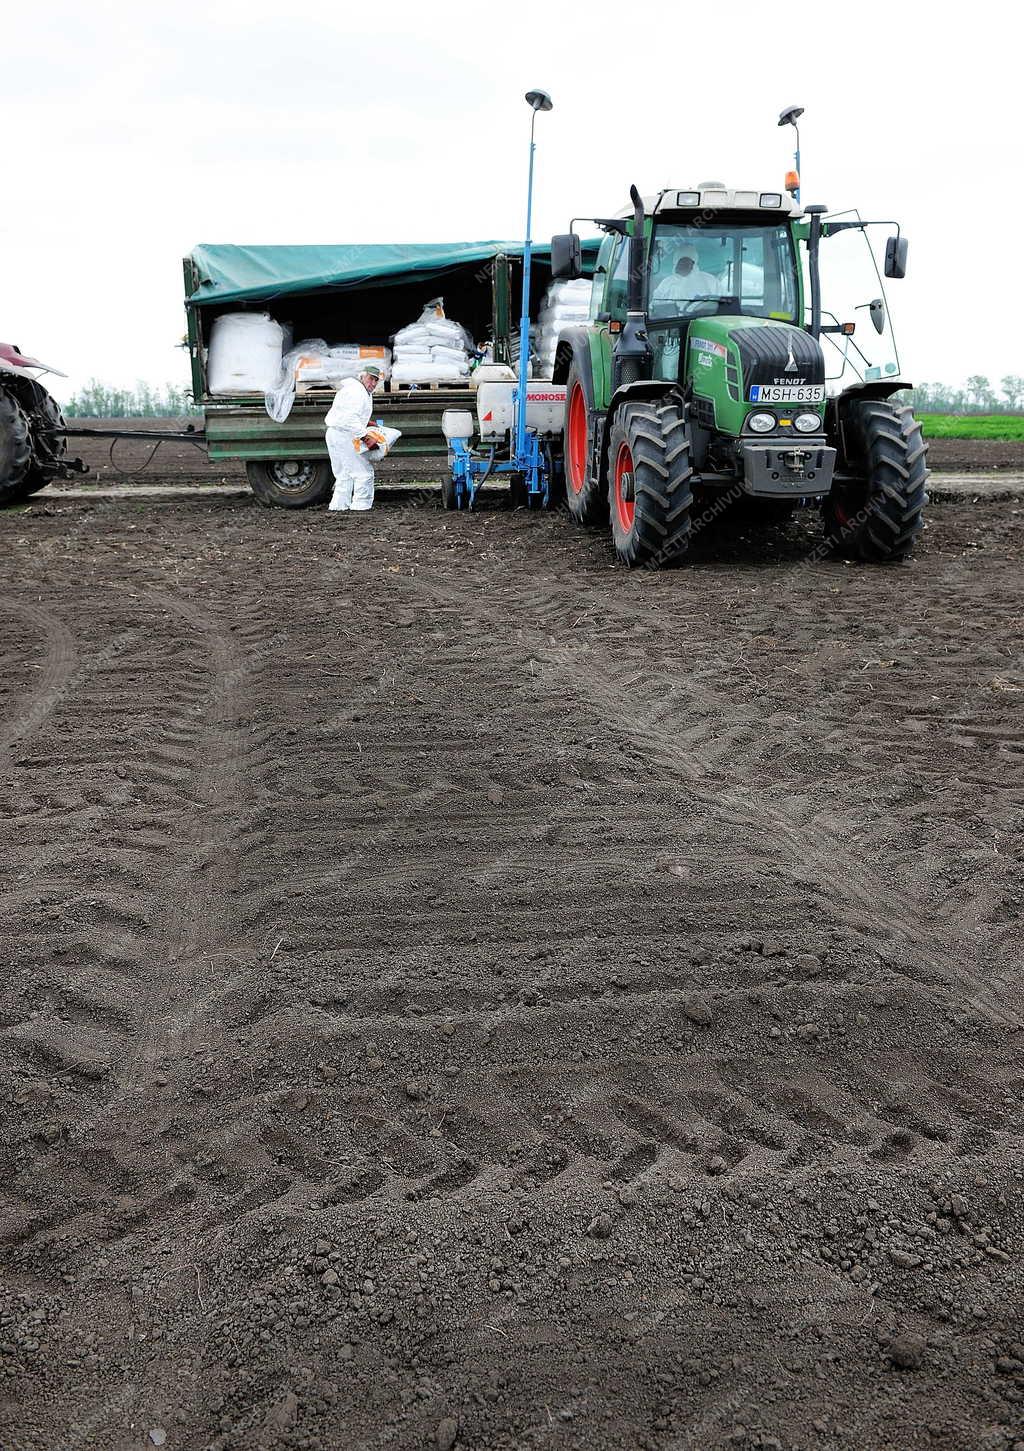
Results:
<point x="710" y="373"/>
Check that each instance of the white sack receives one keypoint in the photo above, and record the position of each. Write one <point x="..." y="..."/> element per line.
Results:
<point x="245" y="353"/>
<point x="389" y="437"/>
<point x="429" y="372"/>
<point x="444" y="355"/>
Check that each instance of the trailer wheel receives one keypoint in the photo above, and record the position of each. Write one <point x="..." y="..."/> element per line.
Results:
<point x="587" y="502"/>
<point x="649" y="491"/>
<point x="290" y="483"/>
<point x="877" y="517"/>
<point x="15" y="451"/>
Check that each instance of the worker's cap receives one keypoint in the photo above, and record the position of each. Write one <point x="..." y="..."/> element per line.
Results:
<point x="370" y="368"/>
<point x="688" y="250"/>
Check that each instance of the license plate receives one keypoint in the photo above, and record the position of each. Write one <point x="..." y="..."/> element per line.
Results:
<point x="787" y="393"/>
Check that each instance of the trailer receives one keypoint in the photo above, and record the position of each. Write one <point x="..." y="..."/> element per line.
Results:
<point x="354" y="293"/>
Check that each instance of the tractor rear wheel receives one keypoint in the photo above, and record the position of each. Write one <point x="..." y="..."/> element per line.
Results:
<point x="876" y="517"/>
<point x="15" y="451"/>
<point x="291" y="483"/>
<point x="586" y="499"/>
<point x="649" y="493"/>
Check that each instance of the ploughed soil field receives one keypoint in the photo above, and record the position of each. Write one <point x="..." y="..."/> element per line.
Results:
<point x="457" y="993"/>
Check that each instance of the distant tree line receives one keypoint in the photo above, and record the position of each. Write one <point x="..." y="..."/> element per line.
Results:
<point x="97" y="400"/>
<point x="977" y="396"/>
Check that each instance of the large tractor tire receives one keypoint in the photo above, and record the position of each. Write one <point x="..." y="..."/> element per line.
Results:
<point x="649" y="492"/>
<point x="877" y="517"/>
<point x="15" y="451"/>
<point x="291" y="483"/>
<point x="587" y="501"/>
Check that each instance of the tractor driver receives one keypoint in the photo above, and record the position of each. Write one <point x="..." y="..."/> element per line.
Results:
<point x="688" y="280"/>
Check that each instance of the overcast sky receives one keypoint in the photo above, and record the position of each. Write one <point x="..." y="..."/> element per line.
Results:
<point x="131" y="137"/>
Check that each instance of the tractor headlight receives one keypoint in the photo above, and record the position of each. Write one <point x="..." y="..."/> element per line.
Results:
<point x="807" y="423"/>
<point x="761" y="422"/>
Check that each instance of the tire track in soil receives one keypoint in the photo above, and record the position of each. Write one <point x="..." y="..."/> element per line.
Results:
<point x="391" y="843"/>
<point x="748" y="816"/>
<point x="475" y="765"/>
<point x="205" y="933"/>
<point x="188" y="857"/>
<point x="199" y="918"/>
<point x="59" y="666"/>
<point x="633" y="701"/>
<point x="200" y="771"/>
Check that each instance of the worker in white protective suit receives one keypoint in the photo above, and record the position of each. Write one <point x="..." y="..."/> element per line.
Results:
<point x="348" y="441"/>
<point x="688" y="280"/>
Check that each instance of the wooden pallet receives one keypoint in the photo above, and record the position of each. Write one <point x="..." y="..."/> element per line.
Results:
<point x="463" y="385"/>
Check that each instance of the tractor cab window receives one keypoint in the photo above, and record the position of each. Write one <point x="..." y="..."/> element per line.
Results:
<point x="601" y="270"/>
<point x="692" y="268"/>
<point x="618" y="286"/>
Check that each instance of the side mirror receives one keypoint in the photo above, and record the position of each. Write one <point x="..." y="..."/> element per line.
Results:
<point x="566" y="257"/>
<point x="876" y="311"/>
<point x="896" y="257"/>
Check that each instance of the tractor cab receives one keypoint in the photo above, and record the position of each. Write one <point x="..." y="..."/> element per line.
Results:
<point x="735" y="258"/>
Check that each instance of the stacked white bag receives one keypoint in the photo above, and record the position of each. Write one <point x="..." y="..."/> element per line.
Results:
<point x="245" y="353"/>
<point x="316" y="364"/>
<point x="565" y="305"/>
<point x="433" y="349"/>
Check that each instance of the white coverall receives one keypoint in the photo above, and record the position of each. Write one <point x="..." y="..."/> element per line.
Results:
<point x="677" y="288"/>
<point x="347" y="422"/>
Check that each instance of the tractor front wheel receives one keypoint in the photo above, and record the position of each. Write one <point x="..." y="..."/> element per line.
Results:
<point x="583" y="493"/>
<point x="876" y="516"/>
<point x="15" y="451"/>
<point x="649" y="491"/>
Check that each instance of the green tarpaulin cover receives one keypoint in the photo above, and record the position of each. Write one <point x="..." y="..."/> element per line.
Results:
<point x="230" y="273"/>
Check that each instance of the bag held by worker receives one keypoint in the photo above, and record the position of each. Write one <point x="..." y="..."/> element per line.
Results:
<point x="384" y="440"/>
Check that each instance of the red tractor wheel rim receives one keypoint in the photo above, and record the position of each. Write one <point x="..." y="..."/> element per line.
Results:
<point x="577" y="440"/>
<point x="624" y="508"/>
